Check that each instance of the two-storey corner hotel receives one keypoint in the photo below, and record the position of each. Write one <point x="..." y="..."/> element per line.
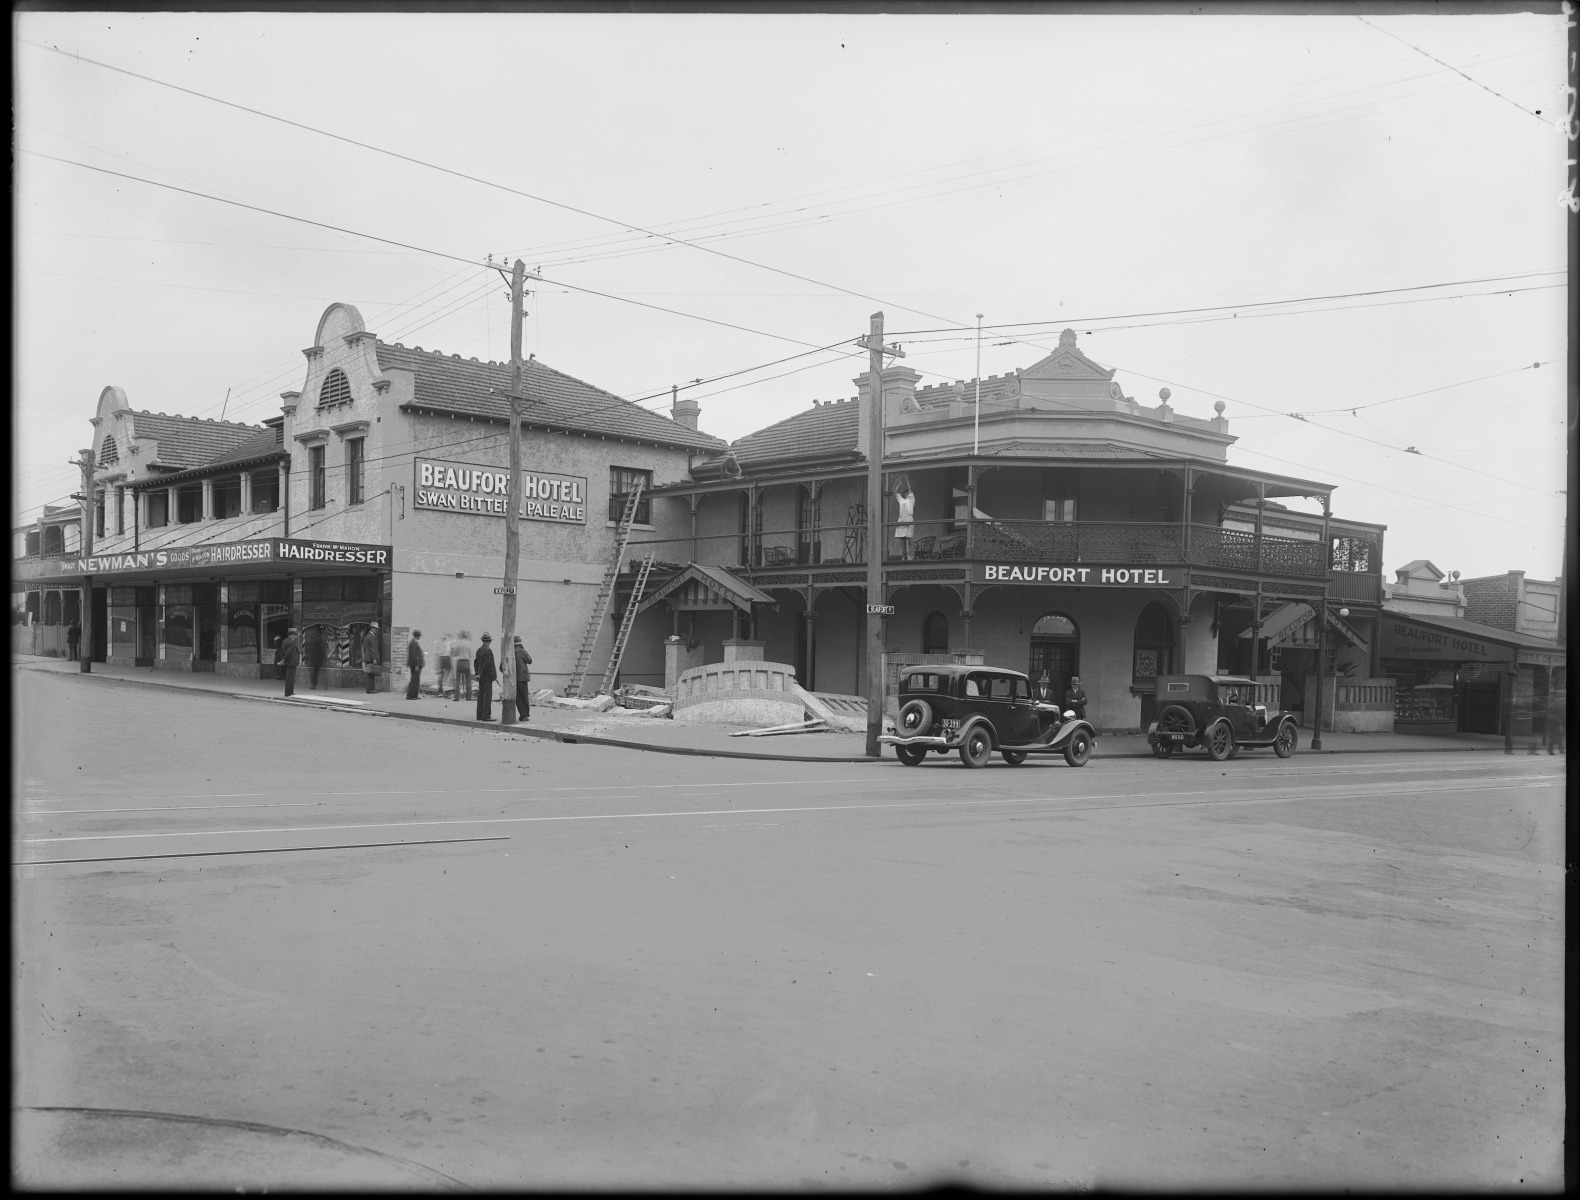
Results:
<point x="377" y="494"/>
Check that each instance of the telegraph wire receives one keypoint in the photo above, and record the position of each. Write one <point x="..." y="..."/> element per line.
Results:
<point x="1451" y="67"/>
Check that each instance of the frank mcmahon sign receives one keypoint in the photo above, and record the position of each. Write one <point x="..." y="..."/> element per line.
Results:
<point x="447" y="486"/>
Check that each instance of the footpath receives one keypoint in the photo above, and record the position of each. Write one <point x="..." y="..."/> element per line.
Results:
<point x="630" y="730"/>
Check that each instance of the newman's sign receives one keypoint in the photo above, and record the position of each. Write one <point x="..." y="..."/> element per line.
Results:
<point x="207" y="556"/>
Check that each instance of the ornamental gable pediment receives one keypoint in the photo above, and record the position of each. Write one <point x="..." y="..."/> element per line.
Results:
<point x="1066" y="364"/>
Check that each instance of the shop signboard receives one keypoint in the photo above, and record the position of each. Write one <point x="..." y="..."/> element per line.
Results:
<point x="1398" y="638"/>
<point x="1084" y="574"/>
<point x="258" y="552"/>
<point x="483" y="489"/>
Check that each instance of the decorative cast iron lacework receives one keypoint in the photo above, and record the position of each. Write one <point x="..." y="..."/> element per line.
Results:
<point x="842" y="577"/>
<point x="925" y="575"/>
<point x="336" y="389"/>
<point x="1222" y="583"/>
<point x="1352" y="554"/>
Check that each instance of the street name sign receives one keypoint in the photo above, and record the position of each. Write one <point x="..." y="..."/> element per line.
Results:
<point x="882" y="610"/>
<point x="504" y="591"/>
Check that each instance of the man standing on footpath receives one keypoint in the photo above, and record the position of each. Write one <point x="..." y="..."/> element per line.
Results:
<point x="313" y="653"/>
<point x="1075" y="697"/>
<point x="523" y="677"/>
<point x="370" y="654"/>
<point x="73" y="640"/>
<point x="289" y="655"/>
<point x="486" y="674"/>
<point x="414" y="663"/>
<point x="461" y="654"/>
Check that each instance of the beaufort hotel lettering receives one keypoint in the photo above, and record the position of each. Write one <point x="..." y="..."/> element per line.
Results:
<point x="1405" y="639"/>
<point x="459" y="487"/>
<point x="1093" y="576"/>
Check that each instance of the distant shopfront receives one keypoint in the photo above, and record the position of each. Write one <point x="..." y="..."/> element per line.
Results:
<point x="225" y="607"/>
<point x="1460" y="676"/>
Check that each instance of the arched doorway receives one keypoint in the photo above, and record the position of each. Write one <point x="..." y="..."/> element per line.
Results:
<point x="1153" y="656"/>
<point x="935" y="634"/>
<point x="1056" y="650"/>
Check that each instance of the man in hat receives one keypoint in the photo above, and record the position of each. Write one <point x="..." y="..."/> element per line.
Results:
<point x="461" y="660"/>
<point x="1075" y="697"/>
<point x="370" y="654"/>
<point x="484" y="669"/>
<point x="414" y="663"/>
<point x="290" y="654"/>
<point x="523" y="677"/>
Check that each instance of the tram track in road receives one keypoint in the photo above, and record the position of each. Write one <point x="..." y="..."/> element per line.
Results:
<point x="1043" y="804"/>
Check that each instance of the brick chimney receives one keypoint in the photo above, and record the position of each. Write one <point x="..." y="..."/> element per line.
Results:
<point x="686" y="412"/>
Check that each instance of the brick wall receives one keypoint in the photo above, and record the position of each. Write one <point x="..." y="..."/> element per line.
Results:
<point x="1493" y="600"/>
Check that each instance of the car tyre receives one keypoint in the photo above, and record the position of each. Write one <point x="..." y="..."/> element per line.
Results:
<point x="916" y="718"/>
<point x="1162" y="749"/>
<point x="1220" y="741"/>
<point x="911" y="756"/>
<point x="1013" y="757"/>
<point x="977" y="748"/>
<point x="1288" y="738"/>
<point x="1079" y="751"/>
<point x="1177" y="721"/>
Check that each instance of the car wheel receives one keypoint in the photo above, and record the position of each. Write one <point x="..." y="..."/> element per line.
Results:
<point x="916" y="718"/>
<point x="1288" y="738"/>
<point x="1220" y="741"/>
<point x="1013" y="757"/>
<point x="1162" y="749"/>
<point x="910" y="755"/>
<point x="1079" y="752"/>
<point x="977" y="749"/>
<point x="1176" y="720"/>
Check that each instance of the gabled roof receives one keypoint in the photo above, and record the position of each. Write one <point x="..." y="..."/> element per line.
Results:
<point x="186" y="442"/>
<point x="1410" y="568"/>
<point x="713" y="581"/>
<point x="449" y="383"/>
<point x="822" y="431"/>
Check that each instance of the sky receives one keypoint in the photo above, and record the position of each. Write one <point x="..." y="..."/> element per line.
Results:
<point x="1347" y="228"/>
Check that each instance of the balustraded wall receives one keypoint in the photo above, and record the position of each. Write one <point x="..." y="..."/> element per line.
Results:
<point x="1353" y="704"/>
<point x="740" y="692"/>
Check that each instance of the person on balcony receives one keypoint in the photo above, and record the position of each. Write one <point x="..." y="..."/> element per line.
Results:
<point x="905" y="531"/>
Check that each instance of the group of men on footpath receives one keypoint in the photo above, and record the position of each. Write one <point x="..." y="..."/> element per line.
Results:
<point x="293" y="651"/>
<point x="456" y="657"/>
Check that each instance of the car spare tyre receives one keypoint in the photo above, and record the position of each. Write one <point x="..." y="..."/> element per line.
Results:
<point x="916" y="718"/>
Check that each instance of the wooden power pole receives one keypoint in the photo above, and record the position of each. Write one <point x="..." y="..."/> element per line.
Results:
<point x="85" y="604"/>
<point x="507" y="620"/>
<point x="877" y="605"/>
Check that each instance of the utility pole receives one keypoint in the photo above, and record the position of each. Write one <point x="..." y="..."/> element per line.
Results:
<point x="507" y="620"/>
<point x="876" y="602"/>
<point x="85" y="604"/>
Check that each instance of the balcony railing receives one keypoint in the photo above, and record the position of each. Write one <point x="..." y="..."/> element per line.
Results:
<point x="1043" y="542"/>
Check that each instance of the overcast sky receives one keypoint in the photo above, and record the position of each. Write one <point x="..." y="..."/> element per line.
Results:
<point x="1102" y="172"/>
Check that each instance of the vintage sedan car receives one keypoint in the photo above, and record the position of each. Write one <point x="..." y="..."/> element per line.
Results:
<point x="1216" y="713"/>
<point x="977" y="710"/>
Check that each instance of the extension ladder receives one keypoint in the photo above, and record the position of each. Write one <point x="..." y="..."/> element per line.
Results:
<point x="605" y="593"/>
<point x="624" y="635"/>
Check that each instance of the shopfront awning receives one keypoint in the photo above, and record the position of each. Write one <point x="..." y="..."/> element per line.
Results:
<point x="258" y="556"/>
<point x="1447" y="639"/>
<point x="698" y="588"/>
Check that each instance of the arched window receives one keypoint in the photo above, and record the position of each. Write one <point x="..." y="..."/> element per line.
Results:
<point x="1055" y="652"/>
<point x="108" y="453"/>
<point x="935" y="634"/>
<point x="336" y="389"/>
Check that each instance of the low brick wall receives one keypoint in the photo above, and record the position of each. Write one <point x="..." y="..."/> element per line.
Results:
<point x="740" y="692"/>
<point x="1352" y="704"/>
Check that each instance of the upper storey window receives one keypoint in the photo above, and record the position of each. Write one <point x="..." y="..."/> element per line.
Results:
<point x="336" y="389"/>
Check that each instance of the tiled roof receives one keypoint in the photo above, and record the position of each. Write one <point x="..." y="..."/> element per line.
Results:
<point x="818" y="432"/>
<point x="995" y="390"/>
<point x="191" y="441"/>
<point x="449" y="383"/>
<point x="1075" y="450"/>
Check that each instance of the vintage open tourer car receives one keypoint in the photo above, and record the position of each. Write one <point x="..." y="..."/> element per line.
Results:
<point x="977" y="710"/>
<point x="1216" y="712"/>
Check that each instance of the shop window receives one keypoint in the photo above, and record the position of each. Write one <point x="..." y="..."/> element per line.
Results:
<point x="32" y="543"/>
<point x="158" y="509"/>
<point x="336" y="389"/>
<point x="54" y="540"/>
<point x="274" y="591"/>
<point x="241" y="631"/>
<point x="315" y="477"/>
<point x="360" y="587"/>
<point x="189" y="503"/>
<point x="265" y="491"/>
<point x="227" y="497"/>
<point x="354" y="470"/>
<point x="622" y="482"/>
<point x="321" y="589"/>
<point x="935" y="634"/>
<point x="52" y="608"/>
<point x="176" y="627"/>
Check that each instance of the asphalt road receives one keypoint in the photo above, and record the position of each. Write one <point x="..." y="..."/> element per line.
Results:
<point x="257" y="945"/>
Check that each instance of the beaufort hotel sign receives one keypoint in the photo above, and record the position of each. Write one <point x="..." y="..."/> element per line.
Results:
<point x="444" y="486"/>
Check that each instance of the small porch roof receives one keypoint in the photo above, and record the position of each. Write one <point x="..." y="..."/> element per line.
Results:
<point x="1285" y="623"/>
<point x="698" y="588"/>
